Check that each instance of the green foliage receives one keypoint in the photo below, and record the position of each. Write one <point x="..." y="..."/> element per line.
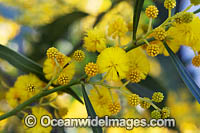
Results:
<point x="185" y="76"/>
<point x="36" y="98"/>
<point x="90" y="109"/>
<point x="21" y="62"/>
<point x="54" y="31"/>
<point x="197" y="11"/>
<point x="137" y="11"/>
<point x="72" y="93"/>
<point x="26" y="65"/>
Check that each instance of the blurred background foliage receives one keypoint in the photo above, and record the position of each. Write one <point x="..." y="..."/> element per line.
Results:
<point x="32" y="26"/>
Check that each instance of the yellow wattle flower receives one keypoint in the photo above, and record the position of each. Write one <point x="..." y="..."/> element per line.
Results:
<point x="195" y="2"/>
<point x="66" y="75"/>
<point x="134" y="76"/>
<point x="3" y="122"/>
<point x="145" y="104"/>
<point x="117" y="28"/>
<point x="170" y="4"/>
<point x="196" y="61"/>
<point x="63" y="79"/>
<point x="133" y="100"/>
<point x="25" y="87"/>
<point x="45" y="11"/>
<point x="69" y="71"/>
<point x="165" y="112"/>
<point x="8" y="30"/>
<point x="15" y="97"/>
<point x="91" y="69"/>
<point x="38" y="112"/>
<point x="155" y="114"/>
<point x="138" y="61"/>
<point x="62" y="59"/>
<point x="152" y="11"/>
<point x="114" y="62"/>
<point x="187" y="17"/>
<point x="30" y="84"/>
<point x="157" y="97"/>
<point x="187" y="34"/>
<point x="172" y="43"/>
<point x="52" y="53"/>
<point x="95" y="40"/>
<point x="101" y="101"/>
<point x="153" y="50"/>
<point x="160" y="34"/>
<point x="114" y="108"/>
<point x="50" y="70"/>
<point x="79" y="55"/>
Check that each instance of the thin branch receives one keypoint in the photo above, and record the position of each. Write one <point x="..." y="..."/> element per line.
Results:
<point x="131" y="45"/>
<point x="37" y="97"/>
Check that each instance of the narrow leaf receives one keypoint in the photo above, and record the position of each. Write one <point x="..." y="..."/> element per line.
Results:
<point x="137" y="10"/>
<point x="90" y="109"/>
<point x="146" y="87"/>
<point x="197" y="11"/>
<point x="185" y="76"/>
<point x="27" y="65"/>
<point x="54" y="31"/>
<point x="72" y="93"/>
<point x="21" y="62"/>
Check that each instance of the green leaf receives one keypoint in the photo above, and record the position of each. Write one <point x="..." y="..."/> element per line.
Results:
<point x="197" y="11"/>
<point x="146" y="87"/>
<point x="36" y="98"/>
<point x="26" y="65"/>
<point x="137" y="10"/>
<point x="72" y="93"/>
<point x="152" y="84"/>
<point x="185" y="76"/>
<point x="54" y="31"/>
<point x="90" y="109"/>
<point x="21" y="62"/>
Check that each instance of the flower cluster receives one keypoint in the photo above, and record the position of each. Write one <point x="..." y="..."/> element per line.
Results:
<point x="183" y="29"/>
<point x="34" y="10"/>
<point x="135" y="100"/>
<point x="25" y="87"/>
<point x="59" y="67"/>
<point x="114" y="63"/>
<point x="116" y="66"/>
